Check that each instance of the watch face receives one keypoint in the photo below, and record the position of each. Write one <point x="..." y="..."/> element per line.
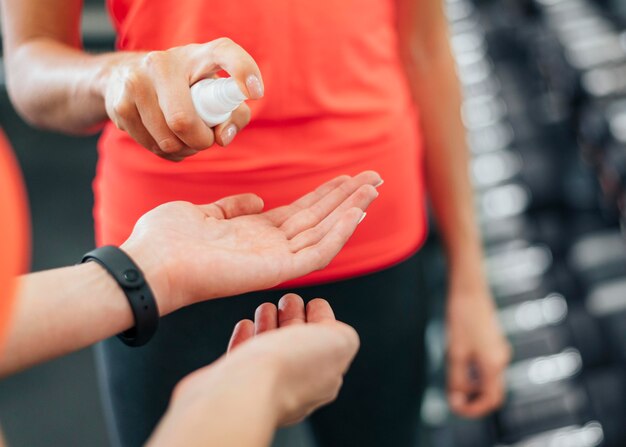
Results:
<point x="14" y="231"/>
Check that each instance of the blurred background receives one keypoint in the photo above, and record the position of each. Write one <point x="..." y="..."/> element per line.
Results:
<point x="545" y="111"/>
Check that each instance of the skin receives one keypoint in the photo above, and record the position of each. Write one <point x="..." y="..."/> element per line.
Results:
<point x="55" y="85"/>
<point x="478" y="353"/>
<point x="188" y="253"/>
<point x="300" y="356"/>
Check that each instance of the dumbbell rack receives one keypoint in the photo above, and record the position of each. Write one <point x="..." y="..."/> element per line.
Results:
<point x="544" y="84"/>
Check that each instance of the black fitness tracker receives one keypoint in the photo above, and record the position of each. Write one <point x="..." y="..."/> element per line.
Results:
<point x="132" y="282"/>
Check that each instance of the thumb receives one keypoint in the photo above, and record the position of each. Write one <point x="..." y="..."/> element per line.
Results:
<point x="243" y="331"/>
<point x="459" y="381"/>
<point x="233" y="206"/>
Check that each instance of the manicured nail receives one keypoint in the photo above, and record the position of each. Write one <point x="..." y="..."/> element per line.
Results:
<point x="228" y="134"/>
<point x="379" y="183"/>
<point x="254" y="86"/>
<point x="362" y="217"/>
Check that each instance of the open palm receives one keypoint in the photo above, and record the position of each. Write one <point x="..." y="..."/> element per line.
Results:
<point x="196" y="252"/>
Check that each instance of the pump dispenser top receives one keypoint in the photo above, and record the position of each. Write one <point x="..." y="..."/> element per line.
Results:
<point x="215" y="99"/>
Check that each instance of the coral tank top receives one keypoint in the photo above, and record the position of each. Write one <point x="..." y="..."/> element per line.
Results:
<point x="336" y="102"/>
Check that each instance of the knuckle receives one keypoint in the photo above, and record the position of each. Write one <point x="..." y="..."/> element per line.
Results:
<point x="319" y="261"/>
<point x="170" y="145"/>
<point x="179" y="122"/>
<point x="223" y="42"/>
<point x="132" y="81"/>
<point x="242" y="116"/>
<point x="365" y="192"/>
<point x="154" y="60"/>
<point x="315" y="234"/>
<point x="123" y="108"/>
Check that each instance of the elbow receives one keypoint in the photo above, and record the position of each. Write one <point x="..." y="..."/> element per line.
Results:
<point x="25" y="108"/>
<point x="40" y="111"/>
<point x="26" y="101"/>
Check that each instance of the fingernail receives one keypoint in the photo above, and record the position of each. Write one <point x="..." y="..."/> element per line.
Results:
<point x="456" y="400"/>
<point x="362" y="217"/>
<point x="254" y="86"/>
<point x="379" y="183"/>
<point x="228" y="134"/>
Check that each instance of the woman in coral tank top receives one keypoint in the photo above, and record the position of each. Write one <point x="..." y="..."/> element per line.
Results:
<point x="336" y="88"/>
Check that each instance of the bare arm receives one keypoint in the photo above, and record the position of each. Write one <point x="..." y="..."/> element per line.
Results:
<point x="430" y="66"/>
<point x="52" y="82"/>
<point x="56" y="85"/>
<point x="188" y="253"/>
<point x="59" y="311"/>
<point x="425" y="50"/>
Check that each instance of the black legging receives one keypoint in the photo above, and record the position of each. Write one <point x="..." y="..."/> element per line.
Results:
<point x="381" y="396"/>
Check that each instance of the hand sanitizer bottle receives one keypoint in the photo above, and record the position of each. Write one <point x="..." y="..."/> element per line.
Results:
<point x="215" y="99"/>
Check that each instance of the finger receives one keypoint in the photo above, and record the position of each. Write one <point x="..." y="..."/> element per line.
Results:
<point x="238" y="63"/>
<point x="279" y="215"/>
<point x="361" y="198"/>
<point x="154" y="121"/>
<point x="460" y="386"/>
<point x="234" y="206"/>
<point x="127" y="119"/>
<point x="488" y="398"/>
<point x="319" y="311"/>
<point x="318" y="256"/>
<point x="244" y="330"/>
<point x="311" y="216"/>
<point x="174" y="99"/>
<point x="226" y="132"/>
<point x="490" y="384"/>
<point x="291" y="310"/>
<point x="265" y="318"/>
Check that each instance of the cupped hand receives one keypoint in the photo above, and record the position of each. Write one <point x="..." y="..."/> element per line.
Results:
<point x="478" y="354"/>
<point x="191" y="253"/>
<point x="279" y="368"/>
<point x="311" y="351"/>
<point x="148" y="96"/>
<point x="304" y="350"/>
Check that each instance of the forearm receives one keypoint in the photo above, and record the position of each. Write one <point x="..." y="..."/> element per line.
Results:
<point x="437" y="93"/>
<point x="60" y="311"/>
<point x="235" y="420"/>
<point x="447" y="164"/>
<point x="58" y="87"/>
<point x="231" y="405"/>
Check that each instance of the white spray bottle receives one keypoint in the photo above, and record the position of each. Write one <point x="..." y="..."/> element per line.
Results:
<point x="215" y="99"/>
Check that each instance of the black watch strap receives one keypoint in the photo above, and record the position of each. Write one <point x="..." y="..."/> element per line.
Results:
<point x="140" y="297"/>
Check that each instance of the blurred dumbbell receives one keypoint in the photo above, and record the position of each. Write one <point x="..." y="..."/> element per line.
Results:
<point x="590" y="434"/>
<point x="544" y="394"/>
<point x="607" y="388"/>
<point x="607" y="303"/>
<point x="517" y="271"/>
<point x="598" y="257"/>
<point x="536" y="327"/>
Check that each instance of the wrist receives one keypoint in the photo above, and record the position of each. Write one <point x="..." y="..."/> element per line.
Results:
<point x="214" y="403"/>
<point x="108" y="66"/>
<point x="467" y="283"/>
<point x="155" y="272"/>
